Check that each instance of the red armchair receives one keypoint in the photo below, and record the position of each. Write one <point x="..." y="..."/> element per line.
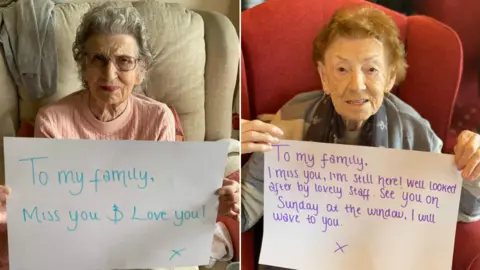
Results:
<point x="463" y="17"/>
<point x="277" y="40"/>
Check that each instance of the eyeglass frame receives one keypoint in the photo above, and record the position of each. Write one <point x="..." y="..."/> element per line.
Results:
<point x="109" y="59"/>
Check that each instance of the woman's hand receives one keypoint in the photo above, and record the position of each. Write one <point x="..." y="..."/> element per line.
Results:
<point x="467" y="154"/>
<point x="4" y="192"/>
<point x="258" y="136"/>
<point x="229" y="199"/>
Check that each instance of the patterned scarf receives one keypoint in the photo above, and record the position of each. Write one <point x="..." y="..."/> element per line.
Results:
<point x="327" y="126"/>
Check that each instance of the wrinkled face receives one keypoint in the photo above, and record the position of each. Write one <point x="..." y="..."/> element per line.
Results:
<point x="111" y="67"/>
<point x="356" y="75"/>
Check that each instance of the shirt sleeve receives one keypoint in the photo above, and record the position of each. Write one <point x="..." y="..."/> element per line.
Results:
<point x="44" y="127"/>
<point x="167" y="126"/>
<point x="252" y="191"/>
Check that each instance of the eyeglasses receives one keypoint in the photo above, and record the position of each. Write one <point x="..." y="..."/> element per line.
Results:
<point x="121" y="62"/>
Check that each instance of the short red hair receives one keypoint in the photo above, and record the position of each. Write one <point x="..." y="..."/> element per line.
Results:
<point x="362" y="21"/>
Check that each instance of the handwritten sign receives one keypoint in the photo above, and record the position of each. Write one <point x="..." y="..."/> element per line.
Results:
<point x="363" y="208"/>
<point x="79" y="204"/>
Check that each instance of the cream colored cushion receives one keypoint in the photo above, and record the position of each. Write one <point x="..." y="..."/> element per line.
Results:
<point x="177" y="76"/>
<point x="178" y="70"/>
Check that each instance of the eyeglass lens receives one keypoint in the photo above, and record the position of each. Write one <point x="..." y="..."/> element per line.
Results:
<point x="122" y="62"/>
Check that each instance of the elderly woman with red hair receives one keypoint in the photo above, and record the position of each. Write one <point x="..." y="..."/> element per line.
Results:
<point x="359" y="59"/>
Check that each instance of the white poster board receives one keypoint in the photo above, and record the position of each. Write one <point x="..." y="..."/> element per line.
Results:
<point x="84" y="204"/>
<point x="340" y="207"/>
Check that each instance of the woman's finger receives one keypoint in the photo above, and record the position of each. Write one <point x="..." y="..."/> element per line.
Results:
<point x="255" y="136"/>
<point x="227" y="191"/>
<point x="231" y="183"/>
<point x="236" y="208"/>
<point x="230" y="199"/>
<point x="467" y="150"/>
<point x="259" y="126"/>
<point x="5" y="190"/>
<point x="228" y="187"/>
<point x="462" y="141"/>
<point x="251" y="147"/>
<point x="227" y="210"/>
<point x="476" y="173"/>
<point x="471" y="166"/>
<point x="226" y="199"/>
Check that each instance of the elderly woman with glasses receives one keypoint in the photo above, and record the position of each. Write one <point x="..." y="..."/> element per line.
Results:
<point x="112" y="54"/>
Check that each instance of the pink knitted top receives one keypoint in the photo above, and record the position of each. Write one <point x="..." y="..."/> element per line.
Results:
<point x="71" y="118"/>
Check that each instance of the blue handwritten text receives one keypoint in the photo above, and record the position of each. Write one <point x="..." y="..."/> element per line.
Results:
<point x="42" y="176"/>
<point x="151" y="215"/>
<point x="181" y="216"/>
<point x="122" y="176"/>
<point x="76" y="216"/>
<point x="40" y="216"/>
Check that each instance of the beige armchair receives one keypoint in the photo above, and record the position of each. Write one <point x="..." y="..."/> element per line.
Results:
<point x="196" y="58"/>
<point x="195" y="69"/>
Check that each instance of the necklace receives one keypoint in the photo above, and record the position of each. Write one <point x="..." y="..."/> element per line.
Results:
<point x="92" y="112"/>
